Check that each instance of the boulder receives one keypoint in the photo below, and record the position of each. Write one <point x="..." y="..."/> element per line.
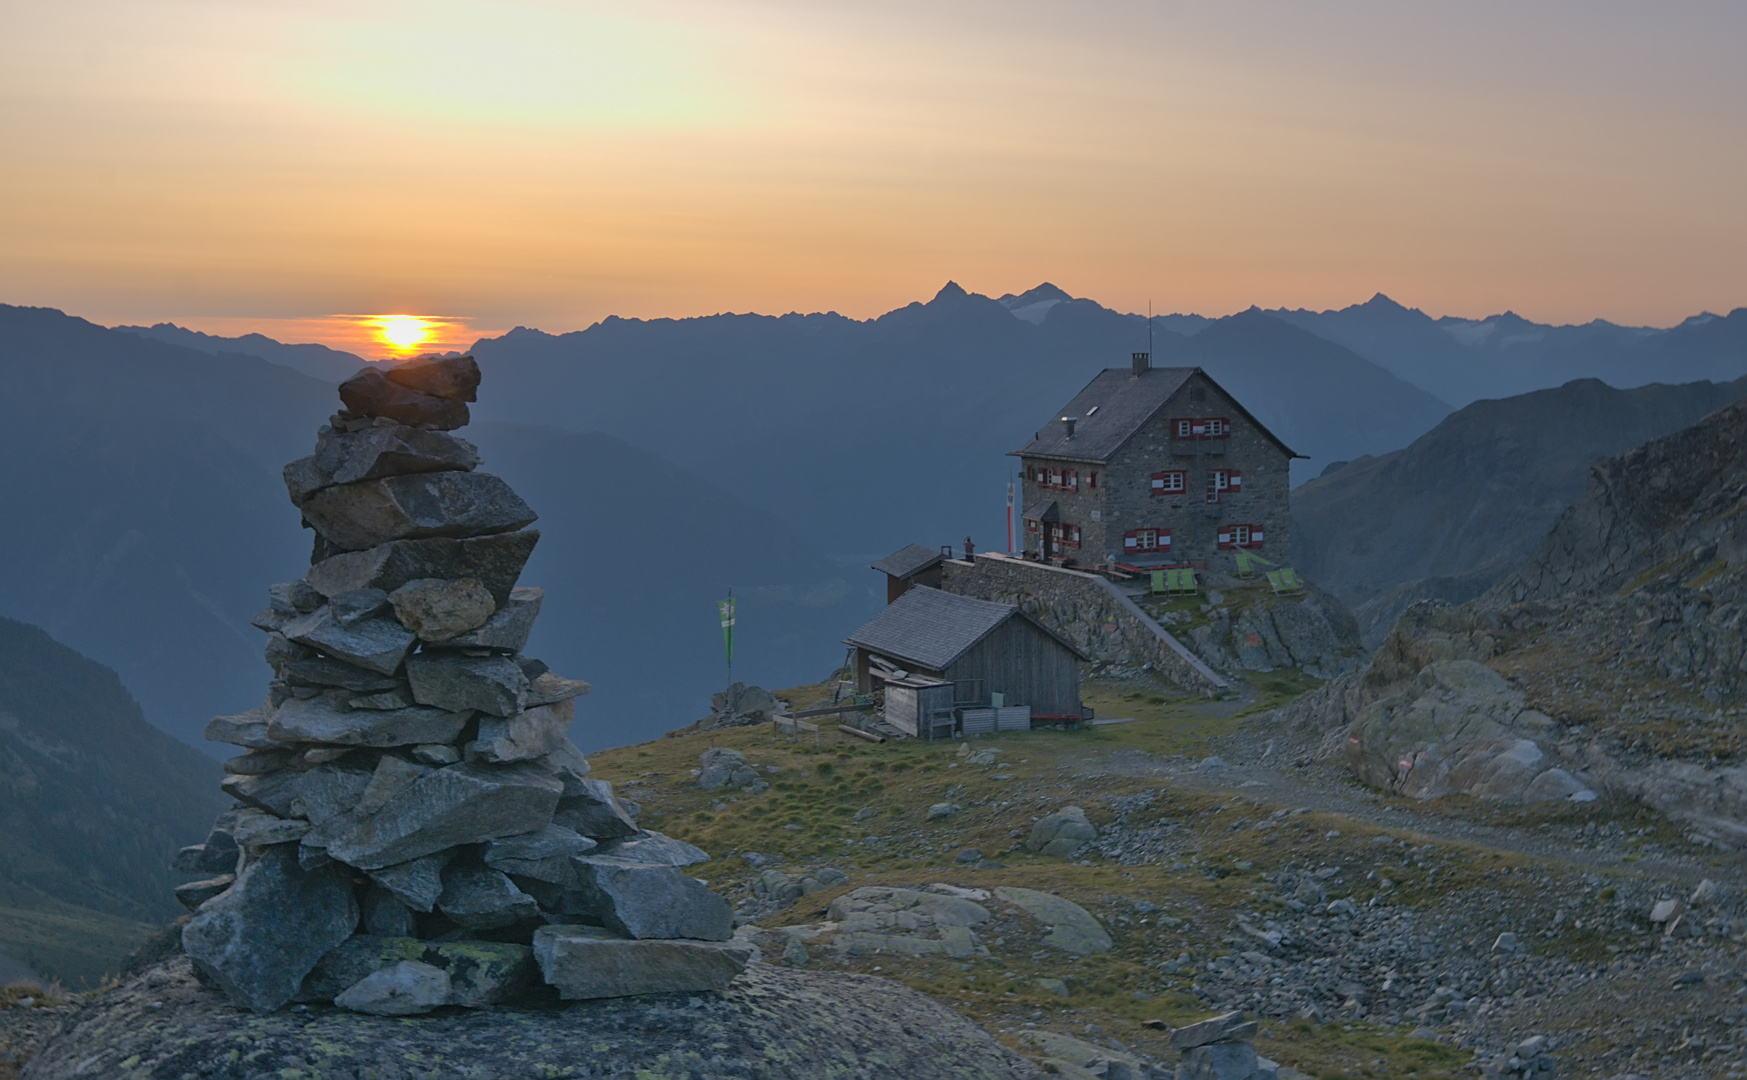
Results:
<point x="741" y="705"/>
<point x="594" y="811"/>
<point x="553" y="840"/>
<point x="437" y="609"/>
<point x="720" y="765"/>
<point x="325" y="720"/>
<point x="354" y="607"/>
<point x="1222" y="1028"/>
<point x="480" y="898"/>
<point x="407" y="988"/>
<point x="207" y="858"/>
<point x="293" y="597"/>
<point x="571" y="768"/>
<point x="384" y="914"/>
<point x="378" y="644"/>
<point x="509" y="626"/>
<point x="452" y="377"/>
<point x="1220" y="1061"/>
<point x="531" y="733"/>
<point x="494" y="561"/>
<point x="880" y="907"/>
<point x="382" y="450"/>
<point x="416" y="883"/>
<point x="1097" y="1060"/>
<point x="1061" y="833"/>
<point x="1072" y="927"/>
<point x="262" y="936"/>
<point x="327" y="791"/>
<point x="647" y="900"/>
<point x="491" y="684"/>
<point x="653" y="847"/>
<point x="770" y="1022"/>
<point x="585" y="963"/>
<point x="479" y="972"/>
<point x="258" y="762"/>
<point x="468" y="803"/>
<point x="252" y="828"/>
<point x="370" y="393"/>
<point x="355" y="517"/>
<point x="274" y="792"/>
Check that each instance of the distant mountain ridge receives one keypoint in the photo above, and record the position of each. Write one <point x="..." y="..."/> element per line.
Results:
<point x="1464" y="360"/>
<point x="1459" y="509"/>
<point x="316" y="361"/>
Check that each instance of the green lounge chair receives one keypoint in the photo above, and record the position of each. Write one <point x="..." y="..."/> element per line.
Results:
<point x="1245" y="564"/>
<point x="1159" y="583"/>
<point x="1285" y="581"/>
<point x="1183" y="581"/>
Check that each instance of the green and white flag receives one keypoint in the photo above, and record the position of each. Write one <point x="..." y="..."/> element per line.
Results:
<point x="726" y="607"/>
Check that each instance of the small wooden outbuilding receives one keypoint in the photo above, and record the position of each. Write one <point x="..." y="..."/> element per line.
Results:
<point x="913" y="565"/>
<point x="989" y="654"/>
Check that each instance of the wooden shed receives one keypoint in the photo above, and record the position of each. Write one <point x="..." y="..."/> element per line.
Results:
<point x="913" y="565"/>
<point x="990" y="654"/>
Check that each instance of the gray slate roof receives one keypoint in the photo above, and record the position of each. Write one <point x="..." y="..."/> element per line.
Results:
<point x="1042" y="510"/>
<point x="1123" y="403"/>
<point x="909" y="561"/>
<point x="932" y="628"/>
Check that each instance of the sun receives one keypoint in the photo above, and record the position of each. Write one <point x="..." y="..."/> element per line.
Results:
<point x="403" y="331"/>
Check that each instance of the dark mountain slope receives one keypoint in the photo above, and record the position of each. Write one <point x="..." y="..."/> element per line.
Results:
<point x="316" y="361"/>
<point x="1467" y="502"/>
<point x="94" y="801"/>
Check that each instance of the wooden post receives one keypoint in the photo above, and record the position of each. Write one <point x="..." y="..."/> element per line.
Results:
<point x="860" y="734"/>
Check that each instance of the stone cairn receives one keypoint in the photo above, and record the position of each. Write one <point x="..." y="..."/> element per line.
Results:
<point x="415" y="828"/>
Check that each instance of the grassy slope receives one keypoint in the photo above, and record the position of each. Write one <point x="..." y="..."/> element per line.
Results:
<point x="806" y="819"/>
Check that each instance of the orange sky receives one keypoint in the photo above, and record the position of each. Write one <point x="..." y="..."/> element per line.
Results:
<point x="235" y="163"/>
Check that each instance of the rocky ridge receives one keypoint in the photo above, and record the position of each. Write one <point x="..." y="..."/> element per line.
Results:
<point x="414" y="828"/>
<point x="1610" y="664"/>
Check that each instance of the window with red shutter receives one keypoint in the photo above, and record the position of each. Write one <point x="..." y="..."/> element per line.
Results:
<point x="1131" y="540"/>
<point x="1092" y="480"/>
<point x="1184" y="428"/>
<point x="1225" y="536"/>
<point x="1170" y="482"/>
<point x="1071" y="479"/>
<point x="1234" y="481"/>
<point x="1070" y="535"/>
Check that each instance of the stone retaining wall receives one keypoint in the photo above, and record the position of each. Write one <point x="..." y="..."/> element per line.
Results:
<point x="1085" y="609"/>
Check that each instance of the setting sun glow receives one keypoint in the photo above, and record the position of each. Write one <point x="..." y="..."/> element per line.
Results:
<point x="403" y="331"/>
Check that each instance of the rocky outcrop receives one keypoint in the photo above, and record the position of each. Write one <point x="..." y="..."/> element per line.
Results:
<point x="740" y="705"/>
<point x="415" y="823"/>
<point x="1313" y="632"/>
<point x="771" y="1023"/>
<point x="1610" y="664"/>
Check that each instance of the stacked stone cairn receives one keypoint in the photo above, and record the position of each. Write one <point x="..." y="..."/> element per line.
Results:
<point x="414" y="827"/>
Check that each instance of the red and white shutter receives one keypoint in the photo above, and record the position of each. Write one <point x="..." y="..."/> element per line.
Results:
<point x="1131" y="541"/>
<point x="1159" y="483"/>
<point x="1234" y="480"/>
<point x="1255" y="536"/>
<point x="1164" y="539"/>
<point x="1225" y="540"/>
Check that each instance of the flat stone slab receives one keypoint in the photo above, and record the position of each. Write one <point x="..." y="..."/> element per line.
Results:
<point x="376" y="452"/>
<point x="377" y="644"/>
<point x="1072" y="927"/>
<point x="460" y="804"/>
<point x="532" y="733"/>
<point x="771" y="1023"/>
<point x="494" y="561"/>
<point x="355" y="517"/>
<point x="319" y="721"/>
<point x="508" y="628"/>
<point x="586" y="962"/>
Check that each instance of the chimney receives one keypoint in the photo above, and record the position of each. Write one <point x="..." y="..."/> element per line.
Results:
<point x="1142" y="361"/>
<point x="1069" y="422"/>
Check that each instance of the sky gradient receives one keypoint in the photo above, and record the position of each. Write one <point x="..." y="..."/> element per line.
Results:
<point x="233" y="164"/>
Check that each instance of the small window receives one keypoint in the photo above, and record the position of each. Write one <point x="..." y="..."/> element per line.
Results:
<point x="1240" y="536"/>
<point x="1185" y="428"/>
<point x="1146" y="541"/>
<point x="1092" y="481"/>
<point x="1065" y="534"/>
<point x="1071" y="479"/>
<point x="1171" y="482"/>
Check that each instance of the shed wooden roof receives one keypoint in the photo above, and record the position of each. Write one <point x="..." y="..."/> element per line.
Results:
<point x="1112" y="407"/>
<point x="909" y="561"/>
<point x="931" y="628"/>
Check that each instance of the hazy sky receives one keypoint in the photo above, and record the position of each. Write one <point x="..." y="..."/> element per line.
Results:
<point x="550" y="163"/>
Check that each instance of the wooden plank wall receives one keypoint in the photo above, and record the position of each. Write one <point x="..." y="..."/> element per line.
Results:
<point x="1027" y="665"/>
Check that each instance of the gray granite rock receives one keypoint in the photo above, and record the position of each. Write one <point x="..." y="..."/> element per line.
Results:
<point x="571" y="768"/>
<point x="280" y="651"/>
<point x="351" y="608"/>
<point x="322" y="671"/>
<point x="194" y="893"/>
<point x="438" y="754"/>
<point x="252" y="828"/>
<point x="293" y="597"/>
<point x="371" y="394"/>
<point x="416" y="883"/>
<point x="480" y="898"/>
<point x="1219" y="1061"/>
<point x="379" y="644"/>
<point x="437" y="609"/>
<point x="594" y="811"/>
<point x="771" y="1023"/>
<point x="468" y="803"/>
<point x="247" y="730"/>
<point x="480" y="972"/>
<point x="207" y="858"/>
<point x="508" y="628"/>
<point x="398" y="697"/>
<point x="1072" y="928"/>
<point x="258" y="762"/>
<point x="381" y="450"/>
<point x="452" y="377"/>
<point x="262" y="936"/>
<point x="354" y="517"/>
<point x="327" y="791"/>
<point x="1061" y="833"/>
<point x="273" y="792"/>
<point x="532" y="733"/>
<point x="647" y="900"/>
<point x="384" y="914"/>
<point x="495" y="561"/>
<point x="1221" y="1028"/>
<point x="585" y="963"/>
<point x="653" y="847"/>
<point x="544" y="843"/>
<point x="446" y="680"/>
<point x="406" y="988"/>
<point x="325" y="720"/>
<point x="550" y="687"/>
